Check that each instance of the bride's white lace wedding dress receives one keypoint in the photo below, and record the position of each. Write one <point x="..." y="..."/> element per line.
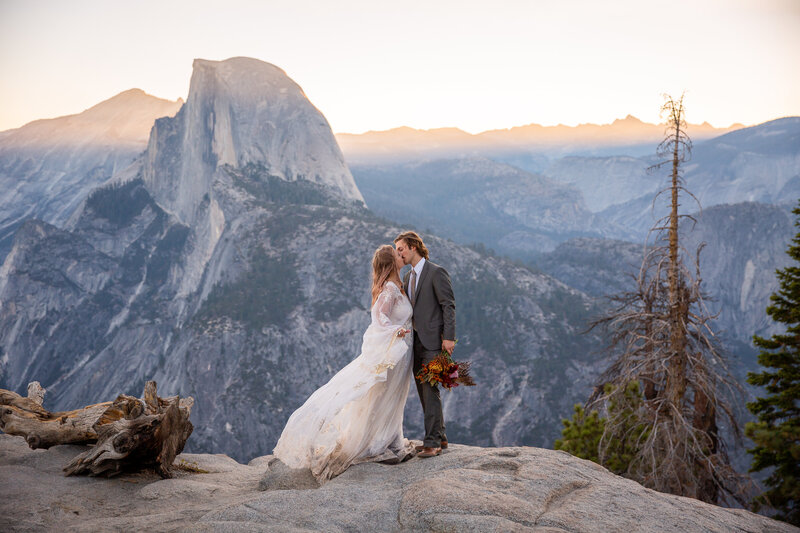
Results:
<point x="358" y="415"/>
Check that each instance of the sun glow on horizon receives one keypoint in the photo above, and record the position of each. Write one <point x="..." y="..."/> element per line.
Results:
<point x="474" y="66"/>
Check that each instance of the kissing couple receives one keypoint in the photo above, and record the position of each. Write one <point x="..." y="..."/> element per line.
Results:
<point x="358" y="415"/>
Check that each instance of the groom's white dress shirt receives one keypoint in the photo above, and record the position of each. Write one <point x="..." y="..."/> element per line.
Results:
<point x="418" y="270"/>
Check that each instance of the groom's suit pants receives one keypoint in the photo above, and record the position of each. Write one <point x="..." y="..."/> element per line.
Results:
<point x="429" y="396"/>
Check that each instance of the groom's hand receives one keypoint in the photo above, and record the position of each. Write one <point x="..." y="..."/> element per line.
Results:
<point x="448" y="346"/>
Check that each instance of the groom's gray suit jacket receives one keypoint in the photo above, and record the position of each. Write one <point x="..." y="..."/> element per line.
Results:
<point x="434" y="306"/>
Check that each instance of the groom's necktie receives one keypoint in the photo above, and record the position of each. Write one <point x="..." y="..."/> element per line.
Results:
<point x="413" y="286"/>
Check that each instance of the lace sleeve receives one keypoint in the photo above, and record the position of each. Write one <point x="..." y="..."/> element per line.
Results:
<point x="382" y="309"/>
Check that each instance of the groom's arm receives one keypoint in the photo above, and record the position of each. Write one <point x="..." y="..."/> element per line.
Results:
<point x="447" y="301"/>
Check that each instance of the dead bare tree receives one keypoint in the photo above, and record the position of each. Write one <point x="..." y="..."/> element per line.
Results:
<point x="665" y="343"/>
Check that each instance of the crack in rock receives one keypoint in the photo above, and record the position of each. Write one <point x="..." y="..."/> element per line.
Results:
<point x="558" y="497"/>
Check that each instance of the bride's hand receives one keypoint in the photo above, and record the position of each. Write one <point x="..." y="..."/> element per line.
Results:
<point x="403" y="332"/>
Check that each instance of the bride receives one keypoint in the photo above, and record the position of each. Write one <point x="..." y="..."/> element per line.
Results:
<point x="358" y="415"/>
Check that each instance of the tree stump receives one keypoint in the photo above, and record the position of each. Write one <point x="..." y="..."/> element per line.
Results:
<point x="130" y="433"/>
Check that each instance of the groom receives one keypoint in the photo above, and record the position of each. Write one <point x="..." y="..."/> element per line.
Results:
<point x="434" y="321"/>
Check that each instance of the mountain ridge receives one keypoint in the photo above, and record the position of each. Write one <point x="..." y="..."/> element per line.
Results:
<point x="405" y="143"/>
<point x="125" y="118"/>
<point x="48" y="167"/>
<point x="627" y="120"/>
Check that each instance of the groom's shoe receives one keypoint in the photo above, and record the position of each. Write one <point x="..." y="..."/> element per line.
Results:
<point x="429" y="452"/>
<point x="443" y="445"/>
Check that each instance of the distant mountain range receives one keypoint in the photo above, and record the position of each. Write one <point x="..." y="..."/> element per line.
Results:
<point x="744" y="244"/>
<point x="48" y="167"/>
<point x="526" y="146"/>
<point x="756" y="164"/>
<point x="222" y="247"/>
<point x="479" y="200"/>
<point x="615" y="193"/>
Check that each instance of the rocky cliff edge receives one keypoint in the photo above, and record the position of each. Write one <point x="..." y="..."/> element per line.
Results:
<point x="465" y="489"/>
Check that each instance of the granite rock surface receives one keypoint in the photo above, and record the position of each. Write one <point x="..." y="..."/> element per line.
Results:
<point x="465" y="489"/>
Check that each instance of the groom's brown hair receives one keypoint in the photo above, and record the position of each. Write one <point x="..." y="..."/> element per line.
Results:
<point x="413" y="241"/>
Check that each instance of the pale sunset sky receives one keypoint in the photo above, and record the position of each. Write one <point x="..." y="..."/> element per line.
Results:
<point x="375" y="65"/>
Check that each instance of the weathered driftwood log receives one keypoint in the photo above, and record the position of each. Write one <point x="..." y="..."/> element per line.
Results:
<point x="136" y="433"/>
<point x="131" y="433"/>
<point x="41" y="428"/>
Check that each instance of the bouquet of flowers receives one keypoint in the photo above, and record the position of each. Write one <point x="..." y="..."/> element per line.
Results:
<point x="445" y="372"/>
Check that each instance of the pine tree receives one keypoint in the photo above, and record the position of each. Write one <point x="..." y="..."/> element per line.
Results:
<point x="776" y="434"/>
<point x="582" y="434"/>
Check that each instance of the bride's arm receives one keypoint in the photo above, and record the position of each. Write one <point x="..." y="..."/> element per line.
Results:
<point x="382" y="310"/>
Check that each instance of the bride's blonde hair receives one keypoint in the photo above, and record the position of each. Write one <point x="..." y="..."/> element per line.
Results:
<point x="383" y="269"/>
